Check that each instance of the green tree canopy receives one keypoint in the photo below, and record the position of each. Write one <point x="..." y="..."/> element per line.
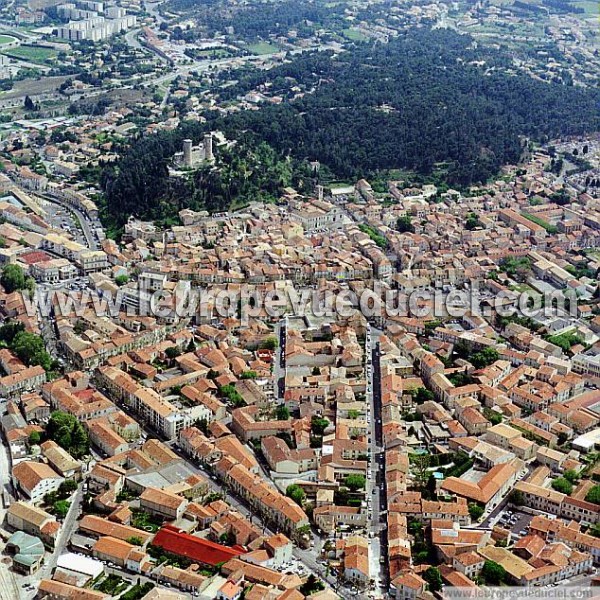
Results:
<point x="232" y="395"/>
<point x="571" y="476"/>
<point x="318" y="425"/>
<point x="135" y="541"/>
<point x="35" y="437"/>
<point x="492" y="416"/>
<point x="593" y="495"/>
<point x="31" y="350"/>
<point x="172" y="352"/>
<point x="296" y="493"/>
<point x="560" y="484"/>
<point x="249" y="375"/>
<point x="422" y="395"/>
<point x="433" y="577"/>
<point x="311" y="585"/>
<point x="9" y="331"/>
<point x="517" y="497"/>
<point x="472" y="222"/>
<point x="355" y="482"/>
<point x="475" y="511"/>
<point x="484" y="358"/>
<point x="67" y="487"/>
<point x="68" y="433"/>
<point x="12" y="278"/>
<point x="60" y="508"/>
<point x="493" y="573"/>
<point x="282" y="412"/>
<point x="269" y="343"/>
<point x="404" y="225"/>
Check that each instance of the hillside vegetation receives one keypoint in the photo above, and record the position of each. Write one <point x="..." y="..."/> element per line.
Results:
<point x="429" y="98"/>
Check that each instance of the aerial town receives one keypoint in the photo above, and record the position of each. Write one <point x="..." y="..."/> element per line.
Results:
<point x="379" y="387"/>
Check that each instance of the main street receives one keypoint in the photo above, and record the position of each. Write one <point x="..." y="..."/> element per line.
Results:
<point x="68" y="527"/>
<point x="376" y="492"/>
<point x="279" y="360"/>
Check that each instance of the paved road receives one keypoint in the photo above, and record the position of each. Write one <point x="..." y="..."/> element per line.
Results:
<point x="67" y="529"/>
<point x="131" y="37"/>
<point x="205" y="65"/>
<point x="378" y="545"/>
<point x="48" y="331"/>
<point x="309" y="559"/>
<point x="86" y="223"/>
<point x="152" y="8"/>
<point x="279" y="360"/>
<point x="579" y="581"/>
<point x="165" y="99"/>
<point x="8" y="586"/>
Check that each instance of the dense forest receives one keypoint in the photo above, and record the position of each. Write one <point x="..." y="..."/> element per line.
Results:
<point x="259" y="20"/>
<point x="429" y="97"/>
<point x="141" y="185"/>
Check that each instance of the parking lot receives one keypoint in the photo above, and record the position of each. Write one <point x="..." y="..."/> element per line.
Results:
<point x="65" y="221"/>
<point x="294" y="567"/>
<point x="516" y="521"/>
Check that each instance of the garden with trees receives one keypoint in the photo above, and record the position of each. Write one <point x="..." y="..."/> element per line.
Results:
<point x="68" y="433"/>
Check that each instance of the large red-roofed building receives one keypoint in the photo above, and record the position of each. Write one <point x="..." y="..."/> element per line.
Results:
<point x="36" y="256"/>
<point x="175" y="541"/>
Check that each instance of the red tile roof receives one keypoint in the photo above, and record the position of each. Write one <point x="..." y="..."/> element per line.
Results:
<point x="36" y="256"/>
<point x="175" y="541"/>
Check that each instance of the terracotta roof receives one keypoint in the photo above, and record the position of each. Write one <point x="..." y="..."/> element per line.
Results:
<point x="174" y="540"/>
<point x="56" y="589"/>
<point x="29" y="474"/>
<point x="112" y="547"/>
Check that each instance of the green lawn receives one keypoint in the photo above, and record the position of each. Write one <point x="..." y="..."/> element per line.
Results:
<point x="523" y="287"/>
<point x="354" y="35"/>
<point x="145" y="521"/>
<point x="6" y="39"/>
<point x="263" y="48"/>
<point x="33" y="54"/>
